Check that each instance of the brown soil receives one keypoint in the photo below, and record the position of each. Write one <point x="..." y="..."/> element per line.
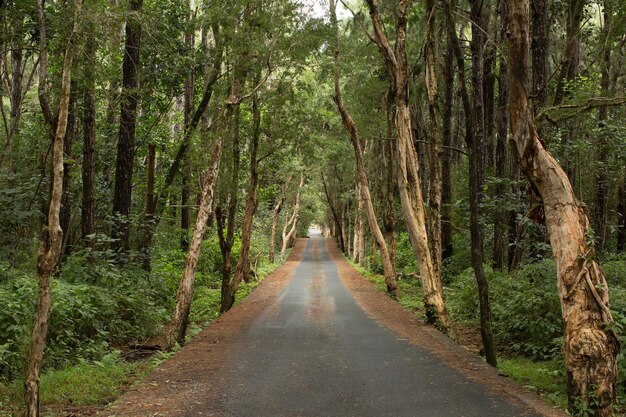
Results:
<point x="389" y="313"/>
<point x="194" y="375"/>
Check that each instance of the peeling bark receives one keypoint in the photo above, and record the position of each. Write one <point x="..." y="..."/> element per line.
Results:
<point x="590" y="347"/>
<point x="407" y="162"/>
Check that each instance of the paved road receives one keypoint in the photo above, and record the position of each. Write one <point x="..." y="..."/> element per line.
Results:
<point x="314" y="352"/>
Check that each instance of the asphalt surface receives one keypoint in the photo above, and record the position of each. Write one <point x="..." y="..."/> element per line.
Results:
<point x="314" y="352"/>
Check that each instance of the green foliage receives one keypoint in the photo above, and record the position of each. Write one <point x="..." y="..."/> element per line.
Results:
<point x="547" y="378"/>
<point x="88" y="383"/>
<point x="525" y="308"/>
<point x="94" y="306"/>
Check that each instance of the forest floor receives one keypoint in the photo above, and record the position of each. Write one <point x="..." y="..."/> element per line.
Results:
<point x="316" y="338"/>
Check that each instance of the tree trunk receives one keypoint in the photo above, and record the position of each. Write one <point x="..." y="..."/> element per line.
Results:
<point x="436" y="151"/>
<point x="569" y="68"/>
<point x="407" y="162"/>
<point x="364" y="188"/>
<point x="357" y="255"/>
<point x="177" y="327"/>
<point x="601" y="207"/>
<point x="227" y="241"/>
<point x="128" y="121"/>
<point x="161" y="198"/>
<point x="293" y="222"/>
<point x="473" y="133"/>
<point x="243" y="264"/>
<point x="15" y="97"/>
<point x="185" y="213"/>
<point x="539" y="51"/>
<point x="446" y="161"/>
<point x="621" y="214"/>
<point x="52" y="234"/>
<point x="66" y="205"/>
<point x="390" y="213"/>
<point x="275" y="217"/>
<point x="589" y="345"/>
<point x="570" y="60"/>
<point x="499" y="221"/>
<point x="89" y="140"/>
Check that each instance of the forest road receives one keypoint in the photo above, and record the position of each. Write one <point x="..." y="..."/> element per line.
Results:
<point x="325" y="342"/>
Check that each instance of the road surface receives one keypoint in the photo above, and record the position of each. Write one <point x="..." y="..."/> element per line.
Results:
<point x="302" y="345"/>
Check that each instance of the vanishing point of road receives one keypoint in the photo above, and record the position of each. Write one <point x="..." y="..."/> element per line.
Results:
<point x="303" y="345"/>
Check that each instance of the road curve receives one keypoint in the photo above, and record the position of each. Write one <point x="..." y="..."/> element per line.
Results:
<point x="315" y="352"/>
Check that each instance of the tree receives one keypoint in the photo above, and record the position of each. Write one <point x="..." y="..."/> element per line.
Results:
<point x="363" y="184"/>
<point x="472" y="127"/>
<point x="406" y="159"/>
<point x="589" y="344"/>
<point x="52" y="233"/>
<point x="128" y="123"/>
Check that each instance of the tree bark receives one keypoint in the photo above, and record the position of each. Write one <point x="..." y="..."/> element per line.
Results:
<point x="88" y="206"/>
<point x="176" y="329"/>
<point x="601" y="206"/>
<point x="435" y="149"/>
<point x="539" y="50"/>
<point x="446" y="161"/>
<point x="364" y="188"/>
<point x="128" y="122"/>
<point x="473" y="131"/>
<point x="275" y="217"/>
<point x="52" y="234"/>
<point x="589" y="345"/>
<point x="293" y="222"/>
<point x="499" y="221"/>
<point x="407" y="162"/>
<point x="243" y="264"/>
<point x="188" y="96"/>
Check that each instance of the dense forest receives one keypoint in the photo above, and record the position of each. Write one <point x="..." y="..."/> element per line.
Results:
<point x="158" y="158"/>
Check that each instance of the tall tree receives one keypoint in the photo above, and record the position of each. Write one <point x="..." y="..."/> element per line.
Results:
<point x="88" y="205"/>
<point x="499" y="223"/>
<point x="364" y="188"/>
<point x="589" y="344"/>
<point x="52" y="233"/>
<point x="128" y="123"/>
<point x="601" y="206"/>
<point x="275" y="217"/>
<point x="243" y="264"/>
<point x="472" y="132"/>
<point x="407" y="163"/>
<point x="434" y="132"/>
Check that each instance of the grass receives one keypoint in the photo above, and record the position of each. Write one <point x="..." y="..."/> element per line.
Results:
<point x="98" y="383"/>
<point x="88" y="384"/>
<point x="546" y="378"/>
<point x="410" y="289"/>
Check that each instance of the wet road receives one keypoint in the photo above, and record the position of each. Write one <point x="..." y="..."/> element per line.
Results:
<point x="314" y="352"/>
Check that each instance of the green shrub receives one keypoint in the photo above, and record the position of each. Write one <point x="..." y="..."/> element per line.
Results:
<point x="406" y="263"/>
<point x="525" y="308"/>
<point x="93" y="308"/>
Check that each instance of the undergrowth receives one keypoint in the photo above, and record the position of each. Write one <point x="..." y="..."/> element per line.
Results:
<point x="99" y="308"/>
